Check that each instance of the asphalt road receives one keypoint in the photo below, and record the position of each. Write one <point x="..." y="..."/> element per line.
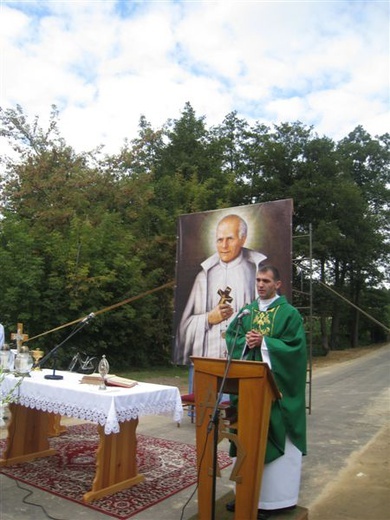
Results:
<point x="350" y="405"/>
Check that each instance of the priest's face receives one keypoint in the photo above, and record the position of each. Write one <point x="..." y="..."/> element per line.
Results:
<point x="229" y="241"/>
<point x="266" y="285"/>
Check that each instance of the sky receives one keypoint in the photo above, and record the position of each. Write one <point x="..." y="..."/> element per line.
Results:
<point x="105" y="63"/>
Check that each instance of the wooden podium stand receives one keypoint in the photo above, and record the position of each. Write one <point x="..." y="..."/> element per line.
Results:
<point x="255" y="385"/>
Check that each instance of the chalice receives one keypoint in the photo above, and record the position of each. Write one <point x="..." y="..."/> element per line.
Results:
<point x="103" y="369"/>
<point x="37" y="354"/>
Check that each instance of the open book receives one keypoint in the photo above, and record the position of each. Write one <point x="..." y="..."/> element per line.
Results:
<point x="110" y="379"/>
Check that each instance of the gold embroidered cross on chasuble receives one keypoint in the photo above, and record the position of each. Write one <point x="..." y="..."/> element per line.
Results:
<point x="263" y="321"/>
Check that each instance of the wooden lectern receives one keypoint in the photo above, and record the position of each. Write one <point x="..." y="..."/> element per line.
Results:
<point x="255" y="385"/>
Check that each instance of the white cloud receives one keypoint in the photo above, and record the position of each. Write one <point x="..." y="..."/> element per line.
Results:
<point x="104" y="63"/>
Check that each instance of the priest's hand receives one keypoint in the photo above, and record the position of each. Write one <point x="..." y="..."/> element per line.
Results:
<point x="253" y="338"/>
<point x="220" y="313"/>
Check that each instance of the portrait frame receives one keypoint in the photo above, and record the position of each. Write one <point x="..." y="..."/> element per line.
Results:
<point x="269" y="232"/>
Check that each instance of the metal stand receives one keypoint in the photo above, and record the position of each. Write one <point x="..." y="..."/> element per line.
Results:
<point x="53" y="353"/>
<point x="214" y="423"/>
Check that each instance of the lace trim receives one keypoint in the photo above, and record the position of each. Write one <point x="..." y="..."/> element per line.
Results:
<point x="111" y="425"/>
<point x="161" y="409"/>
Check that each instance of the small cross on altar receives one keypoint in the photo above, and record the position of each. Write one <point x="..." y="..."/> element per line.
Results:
<point x="19" y="337"/>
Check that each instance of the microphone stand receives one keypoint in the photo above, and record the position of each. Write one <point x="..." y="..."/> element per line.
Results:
<point x="53" y="352"/>
<point x="214" y="423"/>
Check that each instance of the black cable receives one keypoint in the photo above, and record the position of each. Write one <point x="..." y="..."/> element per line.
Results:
<point x="25" y="501"/>
<point x="197" y="477"/>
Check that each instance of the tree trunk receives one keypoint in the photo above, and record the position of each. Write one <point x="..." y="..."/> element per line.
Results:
<point x="355" y="314"/>
<point x="355" y="329"/>
<point x="334" y="332"/>
<point x="324" y="336"/>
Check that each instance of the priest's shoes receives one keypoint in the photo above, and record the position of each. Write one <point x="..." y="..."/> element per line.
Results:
<point x="262" y="514"/>
<point x="265" y="514"/>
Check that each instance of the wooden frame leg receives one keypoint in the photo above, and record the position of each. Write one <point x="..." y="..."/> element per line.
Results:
<point x="55" y="427"/>
<point x="116" y="465"/>
<point x="27" y="435"/>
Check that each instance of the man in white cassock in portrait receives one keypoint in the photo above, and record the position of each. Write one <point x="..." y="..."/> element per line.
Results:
<point x="224" y="285"/>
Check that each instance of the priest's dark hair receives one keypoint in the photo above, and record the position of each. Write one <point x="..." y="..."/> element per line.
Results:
<point x="272" y="268"/>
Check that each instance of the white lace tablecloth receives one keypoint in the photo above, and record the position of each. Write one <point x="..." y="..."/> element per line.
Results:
<point x="107" y="407"/>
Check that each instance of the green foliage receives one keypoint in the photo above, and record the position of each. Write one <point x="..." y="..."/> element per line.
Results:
<point x="12" y="395"/>
<point x="81" y="232"/>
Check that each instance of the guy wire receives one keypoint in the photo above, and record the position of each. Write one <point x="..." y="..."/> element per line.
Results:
<point x="106" y="309"/>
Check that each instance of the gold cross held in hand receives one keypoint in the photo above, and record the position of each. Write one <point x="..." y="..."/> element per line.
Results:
<point x="225" y="295"/>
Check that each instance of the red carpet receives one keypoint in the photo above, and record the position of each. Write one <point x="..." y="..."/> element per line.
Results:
<point x="168" y="466"/>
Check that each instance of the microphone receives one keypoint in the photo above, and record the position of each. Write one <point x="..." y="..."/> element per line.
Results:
<point x="245" y="312"/>
<point x="87" y="318"/>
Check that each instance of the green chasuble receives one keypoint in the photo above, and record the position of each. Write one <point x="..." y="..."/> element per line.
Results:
<point x="282" y="328"/>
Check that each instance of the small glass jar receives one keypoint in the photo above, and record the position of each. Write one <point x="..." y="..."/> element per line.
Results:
<point x="23" y="362"/>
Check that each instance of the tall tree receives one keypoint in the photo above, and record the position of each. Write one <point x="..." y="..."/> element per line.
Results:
<point x="80" y="232"/>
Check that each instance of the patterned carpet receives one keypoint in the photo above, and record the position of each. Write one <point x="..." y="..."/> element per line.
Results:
<point x="168" y="467"/>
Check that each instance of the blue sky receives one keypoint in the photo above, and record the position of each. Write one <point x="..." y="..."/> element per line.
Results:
<point x="106" y="63"/>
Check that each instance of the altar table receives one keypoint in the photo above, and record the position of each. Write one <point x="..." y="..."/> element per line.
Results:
<point x="115" y="410"/>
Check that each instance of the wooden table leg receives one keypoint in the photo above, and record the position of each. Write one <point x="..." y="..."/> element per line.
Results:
<point x="27" y="436"/>
<point x="116" y="464"/>
<point x="55" y="428"/>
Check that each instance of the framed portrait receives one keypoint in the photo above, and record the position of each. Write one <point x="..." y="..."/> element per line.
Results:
<point x="268" y="228"/>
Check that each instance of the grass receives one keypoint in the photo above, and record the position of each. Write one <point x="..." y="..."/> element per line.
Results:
<point x="152" y="372"/>
<point x="173" y="375"/>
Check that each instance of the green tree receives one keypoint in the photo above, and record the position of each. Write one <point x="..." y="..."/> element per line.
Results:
<point x="80" y="232"/>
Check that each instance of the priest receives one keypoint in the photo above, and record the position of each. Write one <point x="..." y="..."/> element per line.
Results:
<point x="272" y="332"/>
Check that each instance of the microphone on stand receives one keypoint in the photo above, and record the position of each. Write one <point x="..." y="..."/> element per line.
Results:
<point x="87" y="318"/>
<point x="53" y="353"/>
<point x="245" y="312"/>
<point x="229" y="359"/>
<point x="214" y="420"/>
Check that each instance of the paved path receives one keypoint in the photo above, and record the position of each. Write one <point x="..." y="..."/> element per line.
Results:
<point x="350" y="412"/>
<point x="350" y="406"/>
